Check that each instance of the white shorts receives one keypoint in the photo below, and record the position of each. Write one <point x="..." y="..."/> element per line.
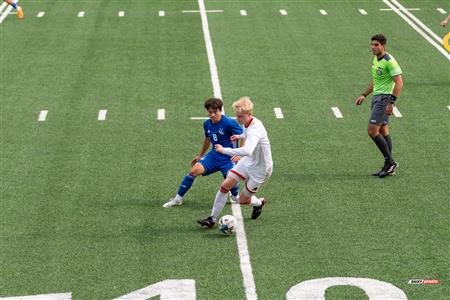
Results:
<point x="253" y="179"/>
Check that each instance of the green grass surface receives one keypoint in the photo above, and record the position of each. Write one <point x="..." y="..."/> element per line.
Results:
<point x="81" y="199"/>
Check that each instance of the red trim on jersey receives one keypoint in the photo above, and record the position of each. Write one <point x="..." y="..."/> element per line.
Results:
<point x="248" y="123"/>
<point x="246" y="187"/>
<point x="240" y="176"/>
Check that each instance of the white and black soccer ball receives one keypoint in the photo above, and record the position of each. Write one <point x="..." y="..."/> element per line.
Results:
<point x="227" y="224"/>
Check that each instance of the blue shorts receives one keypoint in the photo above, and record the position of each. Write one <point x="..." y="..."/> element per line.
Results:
<point x="212" y="164"/>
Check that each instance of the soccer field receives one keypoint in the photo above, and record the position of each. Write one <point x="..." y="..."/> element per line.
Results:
<point x="100" y="102"/>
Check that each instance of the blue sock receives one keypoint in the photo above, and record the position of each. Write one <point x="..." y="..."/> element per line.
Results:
<point x="235" y="190"/>
<point x="14" y="5"/>
<point x="186" y="184"/>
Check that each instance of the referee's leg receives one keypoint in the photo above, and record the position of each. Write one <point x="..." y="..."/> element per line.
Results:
<point x="384" y="131"/>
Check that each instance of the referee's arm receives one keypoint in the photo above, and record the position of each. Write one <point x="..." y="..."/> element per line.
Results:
<point x="395" y="93"/>
<point x="398" y="85"/>
<point x="367" y="92"/>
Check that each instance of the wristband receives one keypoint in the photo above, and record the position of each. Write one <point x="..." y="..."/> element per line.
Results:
<point x="393" y="98"/>
<point x="364" y="95"/>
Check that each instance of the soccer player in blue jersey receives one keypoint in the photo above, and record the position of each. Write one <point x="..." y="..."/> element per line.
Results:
<point x="218" y="130"/>
<point x="16" y="7"/>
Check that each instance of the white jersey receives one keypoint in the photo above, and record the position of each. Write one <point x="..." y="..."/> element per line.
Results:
<point x="256" y="150"/>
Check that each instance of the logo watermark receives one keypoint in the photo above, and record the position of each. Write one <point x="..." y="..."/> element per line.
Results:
<point x="424" y="281"/>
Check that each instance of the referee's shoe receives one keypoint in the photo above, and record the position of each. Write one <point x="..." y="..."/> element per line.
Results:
<point x="389" y="169"/>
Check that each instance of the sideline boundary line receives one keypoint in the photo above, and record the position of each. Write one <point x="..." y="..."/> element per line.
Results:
<point x="241" y="239"/>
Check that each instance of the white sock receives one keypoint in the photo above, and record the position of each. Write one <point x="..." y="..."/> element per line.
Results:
<point x="219" y="203"/>
<point x="178" y="198"/>
<point x="255" y="201"/>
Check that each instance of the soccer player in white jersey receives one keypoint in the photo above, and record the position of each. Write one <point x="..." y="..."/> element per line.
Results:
<point x="255" y="167"/>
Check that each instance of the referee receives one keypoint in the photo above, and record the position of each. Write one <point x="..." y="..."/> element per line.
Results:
<point x="386" y="86"/>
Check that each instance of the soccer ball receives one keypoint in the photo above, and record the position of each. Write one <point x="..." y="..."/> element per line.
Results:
<point x="227" y="224"/>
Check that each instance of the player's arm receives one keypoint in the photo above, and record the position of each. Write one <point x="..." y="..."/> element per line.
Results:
<point x="236" y="158"/>
<point x="205" y="147"/>
<point x="395" y="93"/>
<point x="250" y="144"/>
<point x="236" y="137"/>
<point x="236" y="131"/>
<point x="398" y="85"/>
<point x="367" y="92"/>
<point x="445" y="21"/>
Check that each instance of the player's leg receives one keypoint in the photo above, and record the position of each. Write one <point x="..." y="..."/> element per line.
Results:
<point x="222" y="194"/>
<point x="248" y="197"/>
<point x="234" y="191"/>
<point x="391" y="166"/>
<point x="197" y="170"/>
<point x="219" y="202"/>
<point x="379" y="118"/>
<point x="16" y="7"/>
<point x="384" y="131"/>
<point x="234" y="176"/>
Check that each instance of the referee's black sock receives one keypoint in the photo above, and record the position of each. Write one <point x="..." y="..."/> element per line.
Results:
<point x="383" y="146"/>
<point x="388" y="142"/>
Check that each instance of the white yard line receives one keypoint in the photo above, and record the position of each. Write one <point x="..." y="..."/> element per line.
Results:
<point x="396" y="112"/>
<point x="40" y="14"/>
<point x="63" y="296"/>
<point x="362" y="11"/>
<point x="406" y="9"/>
<point x="102" y="114"/>
<point x="199" y="118"/>
<point x="42" y="115"/>
<point x="210" y="51"/>
<point x="337" y="113"/>
<point x="418" y="22"/>
<point x="243" y="12"/>
<point x="208" y="11"/>
<point x="241" y="239"/>
<point x="414" y="26"/>
<point x="442" y="11"/>
<point x="278" y="113"/>
<point x="448" y="107"/>
<point x="81" y="14"/>
<point x="283" y="12"/>
<point x="162" y="13"/>
<point x="161" y="114"/>
<point x="121" y="13"/>
<point x="244" y="255"/>
<point x="323" y="12"/>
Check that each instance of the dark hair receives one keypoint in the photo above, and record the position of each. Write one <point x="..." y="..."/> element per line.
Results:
<point x="214" y="104"/>
<point x="380" y="38"/>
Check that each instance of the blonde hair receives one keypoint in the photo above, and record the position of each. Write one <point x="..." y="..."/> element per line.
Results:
<point x="243" y="105"/>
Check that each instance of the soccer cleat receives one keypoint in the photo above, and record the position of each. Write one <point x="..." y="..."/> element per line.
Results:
<point x="389" y="170"/>
<point x="19" y="12"/>
<point x="257" y="210"/>
<point x="377" y="174"/>
<point x="172" y="202"/>
<point x="207" y="222"/>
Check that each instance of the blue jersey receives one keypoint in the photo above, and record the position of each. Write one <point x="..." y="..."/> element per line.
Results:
<point x="220" y="133"/>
